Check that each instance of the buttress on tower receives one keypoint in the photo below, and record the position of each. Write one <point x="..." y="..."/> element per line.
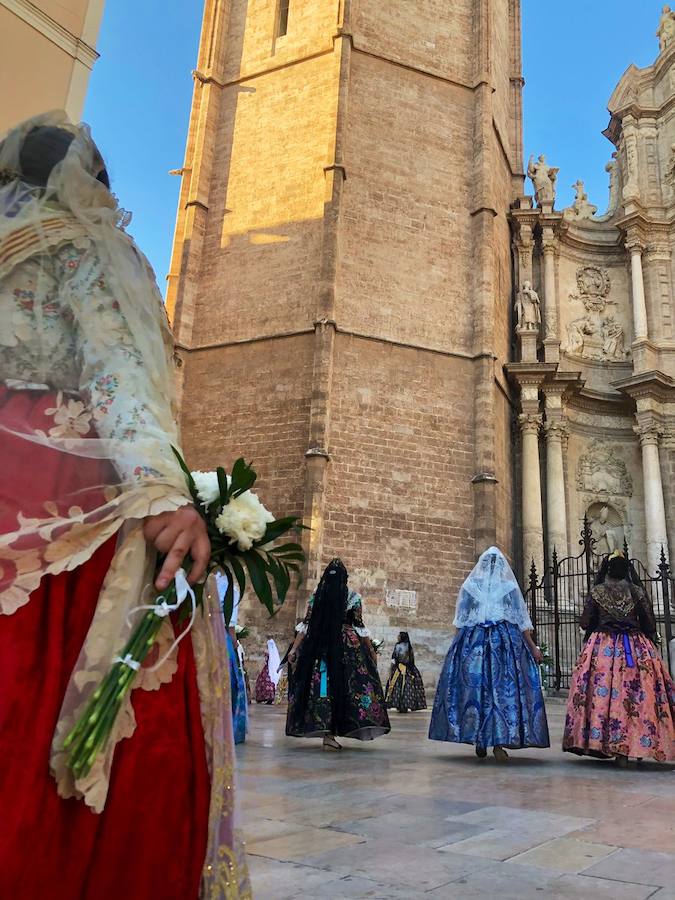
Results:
<point x="341" y="283"/>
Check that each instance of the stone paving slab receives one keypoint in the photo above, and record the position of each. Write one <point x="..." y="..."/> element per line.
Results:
<point x="398" y="865"/>
<point x="405" y="817"/>
<point x="638" y="867"/>
<point x="302" y="844"/>
<point x="564" y="855"/>
<point x="506" y="882"/>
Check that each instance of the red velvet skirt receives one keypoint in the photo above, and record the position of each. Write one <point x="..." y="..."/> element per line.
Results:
<point x="150" y="840"/>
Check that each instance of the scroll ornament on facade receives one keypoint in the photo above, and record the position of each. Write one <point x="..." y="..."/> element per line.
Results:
<point x="669" y="177"/>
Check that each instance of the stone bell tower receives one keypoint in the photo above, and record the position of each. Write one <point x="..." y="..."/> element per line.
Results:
<point x="341" y="281"/>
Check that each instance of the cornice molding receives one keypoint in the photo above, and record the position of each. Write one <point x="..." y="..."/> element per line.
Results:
<point x="52" y="30"/>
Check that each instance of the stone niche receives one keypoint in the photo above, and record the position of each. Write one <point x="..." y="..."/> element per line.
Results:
<point x="605" y="485"/>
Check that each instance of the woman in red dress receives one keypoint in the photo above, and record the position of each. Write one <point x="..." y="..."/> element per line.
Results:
<point x="89" y="493"/>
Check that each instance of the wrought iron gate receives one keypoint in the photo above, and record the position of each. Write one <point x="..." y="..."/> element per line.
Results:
<point x="556" y="602"/>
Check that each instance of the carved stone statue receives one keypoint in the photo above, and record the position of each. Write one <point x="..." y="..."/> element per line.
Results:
<point x="582" y="208"/>
<point x="601" y="471"/>
<point x="606" y="539"/>
<point x="666" y="29"/>
<point x="579" y="331"/>
<point x="613" y="340"/>
<point x="543" y="178"/>
<point x="528" y="308"/>
<point x="592" y="337"/>
<point x="612" y="170"/>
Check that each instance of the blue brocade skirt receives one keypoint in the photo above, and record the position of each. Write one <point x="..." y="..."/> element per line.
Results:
<point x="239" y="699"/>
<point x="489" y="692"/>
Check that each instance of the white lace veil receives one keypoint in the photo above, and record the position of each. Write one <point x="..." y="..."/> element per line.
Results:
<point x="273" y="661"/>
<point x="491" y="594"/>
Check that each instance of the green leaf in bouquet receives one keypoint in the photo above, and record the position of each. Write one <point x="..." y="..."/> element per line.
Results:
<point x="282" y="580"/>
<point x="275" y="529"/>
<point x="285" y="548"/>
<point x="222" y="485"/>
<point x="239" y="573"/>
<point x="228" y="599"/>
<point x="243" y="477"/>
<point x="258" y="572"/>
<point x="188" y="477"/>
<point x="291" y="556"/>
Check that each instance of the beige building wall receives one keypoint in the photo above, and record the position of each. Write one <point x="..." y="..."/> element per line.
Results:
<point x="48" y="51"/>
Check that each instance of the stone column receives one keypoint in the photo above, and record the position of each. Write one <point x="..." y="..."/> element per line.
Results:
<point x="635" y="247"/>
<point x="532" y="518"/>
<point x="551" y="340"/>
<point x="556" y="435"/>
<point x="649" y="431"/>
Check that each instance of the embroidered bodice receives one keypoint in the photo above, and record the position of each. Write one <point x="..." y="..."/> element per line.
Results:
<point x="401" y="653"/>
<point x="619" y="606"/>
<point x="61" y="329"/>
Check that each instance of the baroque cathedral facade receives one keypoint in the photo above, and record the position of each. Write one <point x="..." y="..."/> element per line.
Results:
<point x="420" y="358"/>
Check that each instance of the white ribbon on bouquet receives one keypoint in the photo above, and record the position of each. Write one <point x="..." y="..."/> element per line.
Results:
<point x="162" y="609"/>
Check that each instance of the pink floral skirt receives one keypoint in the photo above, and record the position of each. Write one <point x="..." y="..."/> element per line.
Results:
<point x="615" y="709"/>
<point x="264" y="686"/>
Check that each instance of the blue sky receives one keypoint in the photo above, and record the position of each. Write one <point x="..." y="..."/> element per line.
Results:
<point x="574" y="52"/>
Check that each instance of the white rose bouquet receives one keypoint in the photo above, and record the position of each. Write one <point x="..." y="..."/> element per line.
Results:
<point x="243" y="535"/>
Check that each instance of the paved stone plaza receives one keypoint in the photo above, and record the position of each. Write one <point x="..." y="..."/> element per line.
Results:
<point x="404" y="817"/>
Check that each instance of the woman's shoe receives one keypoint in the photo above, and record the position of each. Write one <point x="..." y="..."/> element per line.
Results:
<point x="621" y="761"/>
<point x="500" y="754"/>
<point x="481" y="752"/>
<point x="329" y="743"/>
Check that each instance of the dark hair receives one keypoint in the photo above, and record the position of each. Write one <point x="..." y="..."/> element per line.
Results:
<point x="43" y="148"/>
<point x="617" y="567"/>
<point x="404" y="638"/>
<point x="324" y="639"/>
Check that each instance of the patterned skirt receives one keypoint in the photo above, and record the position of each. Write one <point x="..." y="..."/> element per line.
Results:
<point x="264" y="686"/>
<point x="405" y="688"/>
<point x="614" y="708"/>
<point x="365" y="714"/>
<point x="489" y="692"/>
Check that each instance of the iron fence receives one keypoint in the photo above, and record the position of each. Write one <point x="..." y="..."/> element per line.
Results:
<point x="556" y="601"/>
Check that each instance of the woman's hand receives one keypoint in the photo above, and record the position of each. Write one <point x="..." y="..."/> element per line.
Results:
<point x="176" y="534"/>
<point x="538" y="655"/>
<point x="292" y="657"/>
